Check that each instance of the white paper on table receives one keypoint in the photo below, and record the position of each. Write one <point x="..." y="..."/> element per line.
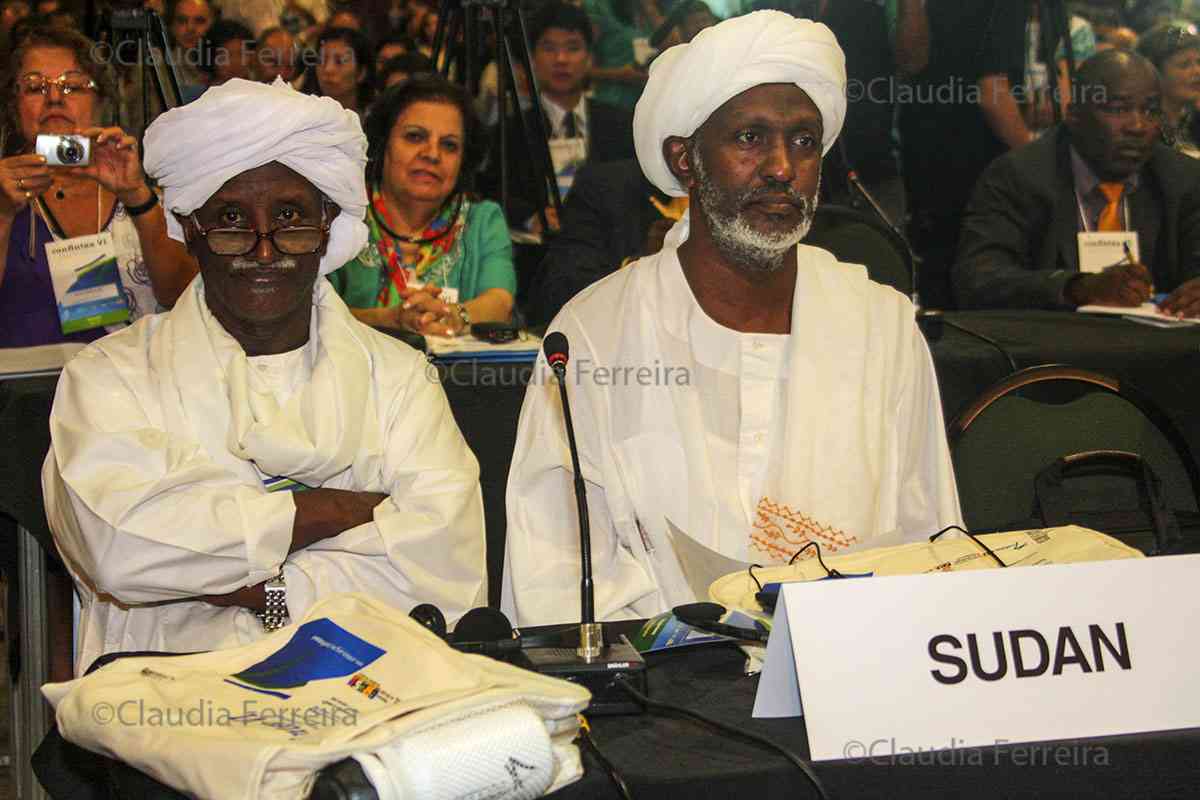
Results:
<point x="46" y="359"/>
<point x="701" y="566"/>
<point x="1147" y="313"/>
<point x="461" y="345"/>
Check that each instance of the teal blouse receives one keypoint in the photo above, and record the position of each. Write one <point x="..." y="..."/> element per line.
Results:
<point x="481" y="259"/>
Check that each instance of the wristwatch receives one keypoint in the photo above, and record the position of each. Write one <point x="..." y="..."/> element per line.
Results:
<point x="275" y="615"/>
<point x="466" y="315"/>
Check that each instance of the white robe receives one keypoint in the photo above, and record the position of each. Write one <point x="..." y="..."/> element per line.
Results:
<point x="848" y="440"/>
<point x="154" y="494"/>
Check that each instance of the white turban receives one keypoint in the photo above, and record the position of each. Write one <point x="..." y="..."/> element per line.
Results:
<point x="194" y="149"/>
<point x="689" y="82"/>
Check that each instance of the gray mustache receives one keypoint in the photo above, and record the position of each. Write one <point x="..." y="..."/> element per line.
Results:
<point x="793" y="194"/>
<point x="241" y="263"/>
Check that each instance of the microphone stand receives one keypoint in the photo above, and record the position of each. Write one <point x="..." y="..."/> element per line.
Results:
<point x="606" y="670"/>
<point x="591" y="633"/>
<point x="856" y="184"/>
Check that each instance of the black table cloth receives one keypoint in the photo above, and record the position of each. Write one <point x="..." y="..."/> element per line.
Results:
<point x="1163" y="364"/>
<point x="665" y="757"/>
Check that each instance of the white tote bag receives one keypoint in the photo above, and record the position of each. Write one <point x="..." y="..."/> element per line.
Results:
<point x="952" y="552"/>
<point x="353" y="678"/>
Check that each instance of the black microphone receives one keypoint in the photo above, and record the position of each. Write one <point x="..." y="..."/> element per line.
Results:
<point x="591" y="637"/>
<point x="431" y="617"/>
<point x="486" y="631"/>
<point x="705" y="616"/>
<point x="670" y="23"/>
<point x="485" y="624"/>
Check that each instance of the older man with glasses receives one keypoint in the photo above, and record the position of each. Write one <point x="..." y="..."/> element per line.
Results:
<point x="219" y="468"/>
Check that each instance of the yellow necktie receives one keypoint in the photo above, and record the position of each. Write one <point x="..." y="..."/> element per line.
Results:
<point x="1110" y="217"/>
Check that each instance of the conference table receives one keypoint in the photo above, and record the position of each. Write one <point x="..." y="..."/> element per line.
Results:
<point x="970" y="350"/>
<point x="1163" y="363"/>
<point x="665" y="756"/>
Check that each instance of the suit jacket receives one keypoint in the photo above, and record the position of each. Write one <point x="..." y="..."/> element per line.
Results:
<point x="1018" y="246"/>
<point x="610" y="138"/>
<point x="604" y="221"/>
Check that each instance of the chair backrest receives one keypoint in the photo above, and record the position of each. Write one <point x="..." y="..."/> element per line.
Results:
<point x="486" y="402"/>
<point x="1027" y="420"/>
<point x="855" y="237"/>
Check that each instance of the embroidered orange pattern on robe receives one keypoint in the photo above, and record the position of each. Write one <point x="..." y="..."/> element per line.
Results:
<point x="779" y="532"/>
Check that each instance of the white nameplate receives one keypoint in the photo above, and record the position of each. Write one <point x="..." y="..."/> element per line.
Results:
<point x="914" y="663"/>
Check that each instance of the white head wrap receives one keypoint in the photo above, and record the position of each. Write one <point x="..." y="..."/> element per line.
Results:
<point x="690" y="81"/>
<point x="194" y="149"/>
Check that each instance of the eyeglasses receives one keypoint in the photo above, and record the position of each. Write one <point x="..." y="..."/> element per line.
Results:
<point x="300" y="240"/>
<point x="36" y="83"/>
<point x="972" y="537"/>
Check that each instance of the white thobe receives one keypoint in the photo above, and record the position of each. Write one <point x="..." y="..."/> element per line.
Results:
<point x="162" y="438"/>
<point x="749" y="444"/>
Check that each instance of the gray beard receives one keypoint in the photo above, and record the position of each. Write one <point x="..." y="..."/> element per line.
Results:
<point x="735" y="239"/>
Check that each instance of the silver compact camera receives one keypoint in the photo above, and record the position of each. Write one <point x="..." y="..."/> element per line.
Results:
<point x="65" y="150"/>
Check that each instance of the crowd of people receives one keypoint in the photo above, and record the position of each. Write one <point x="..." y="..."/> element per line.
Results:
<point x="322" y="174"/>
<point x="937" y="91"/>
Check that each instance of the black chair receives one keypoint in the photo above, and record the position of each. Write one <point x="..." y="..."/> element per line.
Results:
<point x="486" y="399"/>
<point x="39" y="600"/>
<point x="856" y="237"/>
<point x="1053" y="444"/>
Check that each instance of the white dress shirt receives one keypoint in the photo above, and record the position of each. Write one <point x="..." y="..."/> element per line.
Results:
<point x="558" y="118"/>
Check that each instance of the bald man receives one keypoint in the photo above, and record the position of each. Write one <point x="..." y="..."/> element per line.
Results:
<point x="737" y="395"/>
<point x="1105" y="170"/>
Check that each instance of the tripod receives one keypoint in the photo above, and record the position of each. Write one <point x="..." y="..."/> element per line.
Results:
<point x="458" y="36"/>
<point x="1054" y="26"/>
<point x="137" y="36"/>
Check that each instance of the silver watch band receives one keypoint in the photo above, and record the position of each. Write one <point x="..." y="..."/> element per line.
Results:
<point x="275" y="614"/>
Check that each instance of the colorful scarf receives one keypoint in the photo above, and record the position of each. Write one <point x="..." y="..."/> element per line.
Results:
<point x="436" y="257"/>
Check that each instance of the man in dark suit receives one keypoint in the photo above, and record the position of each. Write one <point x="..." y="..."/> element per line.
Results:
<point x="608" y="220"/>
<point x="1105" y="170"/>
<point x="581" y="130"/>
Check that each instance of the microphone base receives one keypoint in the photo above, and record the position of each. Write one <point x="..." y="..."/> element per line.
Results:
<point x="598" y="675"/>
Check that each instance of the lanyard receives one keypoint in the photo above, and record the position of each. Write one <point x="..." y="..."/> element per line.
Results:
<point x="38" y="208"/>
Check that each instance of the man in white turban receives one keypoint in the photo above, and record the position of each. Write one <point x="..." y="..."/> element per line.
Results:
<point x="221" y="467"/>
<point x="738" y="395"/>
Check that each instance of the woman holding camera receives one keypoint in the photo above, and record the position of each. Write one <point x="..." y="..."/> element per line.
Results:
<point x="52" y="86"/>
<point x="437" y="260"/>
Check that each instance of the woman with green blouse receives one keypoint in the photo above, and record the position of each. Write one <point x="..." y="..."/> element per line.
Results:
<point x="437" y="259"/>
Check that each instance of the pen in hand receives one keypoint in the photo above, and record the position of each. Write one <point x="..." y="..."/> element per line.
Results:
<point x="1156" y="299"/>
